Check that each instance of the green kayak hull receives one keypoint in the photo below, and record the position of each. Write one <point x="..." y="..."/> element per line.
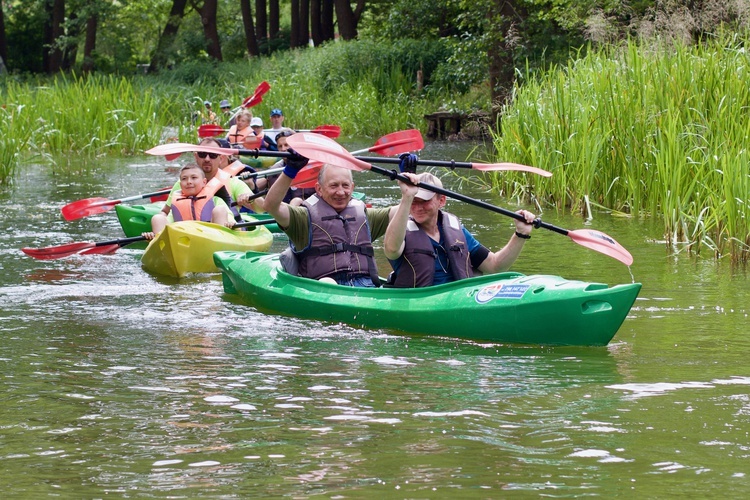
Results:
<point x="187" y="247"/>
<point x="136" y="219"/>
<point x="506" y="307"/>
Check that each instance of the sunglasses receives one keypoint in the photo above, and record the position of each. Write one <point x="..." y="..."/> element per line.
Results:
<point x="203" y="155"/>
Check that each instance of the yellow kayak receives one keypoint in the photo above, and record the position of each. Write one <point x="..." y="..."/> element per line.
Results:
<point x="188" y="247"/>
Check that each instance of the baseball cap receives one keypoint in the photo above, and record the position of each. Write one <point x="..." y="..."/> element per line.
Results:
<point x="256" y="122"/>
<point x="276" y="111"/>
<point x="224" y="104"/>
<point x="427" y="178"/>
<point x="207" y="103"/>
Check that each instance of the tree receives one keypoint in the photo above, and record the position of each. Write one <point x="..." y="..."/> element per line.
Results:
<point x="53" y="31"/>
<point x="273" y="18"/>
<point x="247" y="22"/>
<point x="294" y="30"/>
<point x="261" y="30"/>
<point x="208" y="14"/>
<point x="3" y="43"/>
<point x="168" y="36"/>
<point x="348" y="17"/>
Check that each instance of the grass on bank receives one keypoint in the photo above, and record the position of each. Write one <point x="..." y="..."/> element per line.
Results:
<point x="659" y="130"/>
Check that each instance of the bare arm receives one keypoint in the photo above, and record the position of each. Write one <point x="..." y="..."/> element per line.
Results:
<point x="504" y="258"/>
<point x="393" y="244"/>
<point x="274" y="204"/>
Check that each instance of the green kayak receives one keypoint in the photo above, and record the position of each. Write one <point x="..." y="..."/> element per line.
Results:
<point x="136" y="219"/>
<point x="505" y="307"/>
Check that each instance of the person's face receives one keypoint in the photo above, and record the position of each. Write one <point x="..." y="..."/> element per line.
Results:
<point x="258" y="130"/>
<point x="336" y="188"/>
<point x="281" y="144"/>
<point x="426" y="211"/>
<point x="226" y="110"/>
<point x="242" y="122"/>
<point x="191" y="181"/>
<point x="210" y="165"/>
<point x="277" y="120"/>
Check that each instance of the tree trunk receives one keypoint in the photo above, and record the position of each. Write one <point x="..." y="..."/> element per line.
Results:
<point x="210" y="31"/>
<point x="273" y="18"/>
<point x="326" y="20"/>
<point x="294" y="35"/>
<point x="3" y="43"/>
<point x="304" y="22"/>
<point x="161" y="55"/>
<point x="502" y="15"/>
<point x="247" y="22"/>
<point x="348" y="18"/>
<point x="315" y="28"/>
<point x="261" y="20"/>
<point x="70" y="50"/>
<point x="90" y="44"/>
<point x="53" y="30"/>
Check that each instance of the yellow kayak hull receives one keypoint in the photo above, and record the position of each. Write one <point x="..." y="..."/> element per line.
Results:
<point x="188" y="247"/>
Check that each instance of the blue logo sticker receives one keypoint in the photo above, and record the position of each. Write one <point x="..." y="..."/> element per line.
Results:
<point x="500" y="291"/>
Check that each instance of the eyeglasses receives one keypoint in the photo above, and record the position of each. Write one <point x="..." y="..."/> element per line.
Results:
<point x="203" y="155"/>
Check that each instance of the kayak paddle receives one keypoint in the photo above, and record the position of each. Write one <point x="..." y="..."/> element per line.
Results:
<point x="328" y="151"/>
<point x="92" y="206"/>
<point x="210" y="130"/>
<point x="104" y="247"/>
<point x="402" y="145"/>
<point x="332" y="131"/>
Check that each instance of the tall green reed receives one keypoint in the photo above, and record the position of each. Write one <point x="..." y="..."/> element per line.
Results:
<point x="646" y="130"/>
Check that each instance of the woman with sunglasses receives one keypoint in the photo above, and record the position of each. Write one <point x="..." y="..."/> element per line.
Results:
<point x="241" y="129"/>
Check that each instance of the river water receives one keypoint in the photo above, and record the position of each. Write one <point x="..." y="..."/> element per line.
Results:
<point x="123" y="384"/>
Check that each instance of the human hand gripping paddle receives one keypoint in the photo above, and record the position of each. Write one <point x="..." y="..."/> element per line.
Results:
<point x="327" y="151"/>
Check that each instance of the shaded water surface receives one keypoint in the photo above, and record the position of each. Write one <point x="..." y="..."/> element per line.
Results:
<point x="119" y="383"/>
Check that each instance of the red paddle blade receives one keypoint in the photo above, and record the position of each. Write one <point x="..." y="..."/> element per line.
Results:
<point x="308" y="176"/>
<point x="320" y="148"/>
<point x="399" y="142"/>
<point x="252" y="142"/>
<point x="257" y="96"/>
<point x="103" y="249"/>
<point x="161" y="197"/>
<point x="210" y="131"/>
<point x="57" y="252"/>
<point x="602" y="243"/>
<point x="332" y="131"/>
<point x="84" y="208"/>
<point x="494" y="167"/>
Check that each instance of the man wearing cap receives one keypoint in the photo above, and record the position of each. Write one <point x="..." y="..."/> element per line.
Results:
<point x="226" y="109"/>
<point x="331" y="234"/>
<point x="277" y="121"/>
<point x="266" y="143"/>
<point x="428" y="246"/>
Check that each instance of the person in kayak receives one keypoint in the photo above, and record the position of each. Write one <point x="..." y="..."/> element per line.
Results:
<point x="266" y="143"/>
<point x="241" y="129"/>
<point x="194" y="200"/>
<point x="331" y="234"/>
<point x="277" y="124"/>
<point x="428" y="246"/>
<point x="294" y="196"/>
<point x="226" y="111"/>
<point x="235" y="191"/>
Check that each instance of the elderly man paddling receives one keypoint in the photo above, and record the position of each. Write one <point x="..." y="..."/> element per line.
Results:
<point x="427" y="246"/>
<point x="331" y="234"/>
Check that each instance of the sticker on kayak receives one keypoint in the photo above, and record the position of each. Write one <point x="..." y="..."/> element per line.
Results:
<point x="500" y="291"/>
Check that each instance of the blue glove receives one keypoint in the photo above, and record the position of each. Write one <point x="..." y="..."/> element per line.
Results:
<point x="294" y="163"/>
<point x="408" y="163"/>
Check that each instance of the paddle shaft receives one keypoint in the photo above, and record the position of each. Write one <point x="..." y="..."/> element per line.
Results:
<point x="472" y="201"/>
<point x="430" y="163"/>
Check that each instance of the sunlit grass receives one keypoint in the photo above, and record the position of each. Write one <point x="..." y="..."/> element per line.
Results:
<point x="650" y="131"/>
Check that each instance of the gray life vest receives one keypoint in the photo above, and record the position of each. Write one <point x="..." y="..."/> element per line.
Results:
<point x="417" y="267"/>
<point x="339" y="241"/>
